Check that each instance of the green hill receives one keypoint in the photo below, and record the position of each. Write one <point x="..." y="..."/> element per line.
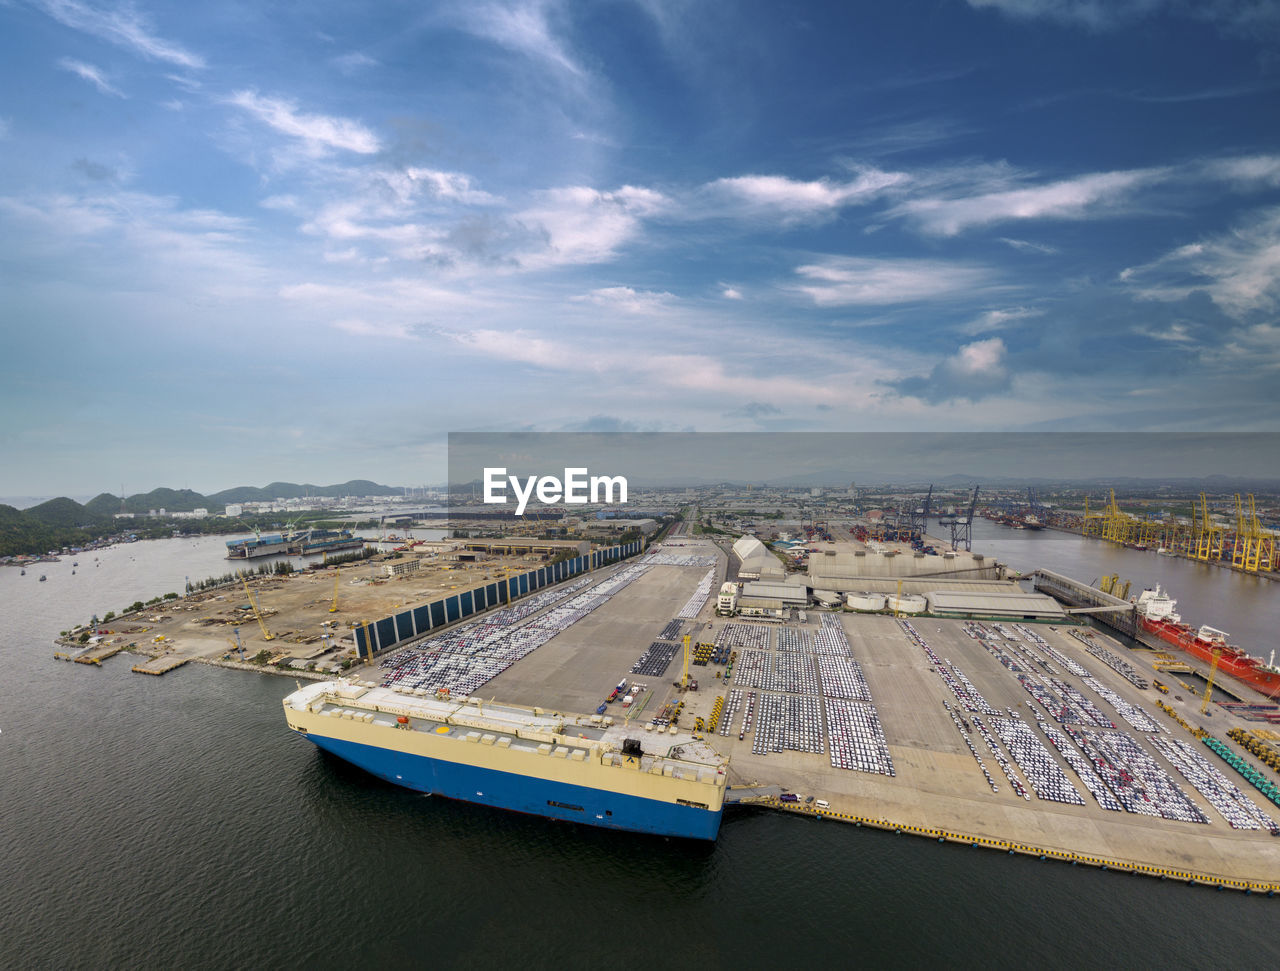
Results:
<point x="104" y="505"/>
<point x="292" y="490"/>
<point x="63" y="512"/>
<point x="23" y="533"/>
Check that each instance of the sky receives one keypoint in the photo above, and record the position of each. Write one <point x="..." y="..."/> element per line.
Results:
<point x="245" y="242"/>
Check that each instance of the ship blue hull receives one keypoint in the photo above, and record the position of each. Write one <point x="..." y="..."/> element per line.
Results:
<point x="539" y="797"/>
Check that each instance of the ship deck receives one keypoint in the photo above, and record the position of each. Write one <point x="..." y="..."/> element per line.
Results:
<point x="496" y="723"/>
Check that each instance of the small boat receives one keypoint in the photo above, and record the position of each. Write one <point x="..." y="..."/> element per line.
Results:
<point x="43" y="578"/>
<point x="23" y="573"/>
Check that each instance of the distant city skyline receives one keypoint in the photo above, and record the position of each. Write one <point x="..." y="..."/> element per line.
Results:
<point x="244" y="243"/>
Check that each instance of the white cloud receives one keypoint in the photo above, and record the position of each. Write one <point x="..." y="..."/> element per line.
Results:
<point x="523" y="26"/>
<point x="1239" y="270"/>
<point x="452" y="186"/>
<point x="1175" y="333"/>
<point x="363" y="328"/>
<point x="1081" y="197"/>
<point x="1104" y="14"/>
<point x="5" y="128"/>
<point x="975" y="371"/>
<point x="583" y="225"/>
<point x="319" y="132"/>
<point x="687" y="373"/>
<point x="1246" y="172"/>
<point x="629" y="300"/>
<point x="1026" y="246"/>
<point x="998" y="320"/>
<point x="124" y="27"/>
<point x="518" y="345"/>
<point x="353" y="62"/>
<point x="730" y="293"/>
<point x="777" y="195"/>
<point x="853" y="281"/>
<point x="979" y="358"/>
<point x="91" y="74"/>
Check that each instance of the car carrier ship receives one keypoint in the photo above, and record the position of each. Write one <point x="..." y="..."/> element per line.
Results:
<point x="1157" y="615"/>
<point x="580" y="768"/>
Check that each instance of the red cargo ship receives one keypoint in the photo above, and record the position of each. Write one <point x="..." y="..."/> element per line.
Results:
<point x="1156" y="616"/>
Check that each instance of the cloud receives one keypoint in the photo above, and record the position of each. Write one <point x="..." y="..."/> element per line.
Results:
<point x="452" y="186"/>
<point x="1107" y="14"/>
<point x="4" y="128"/>
<point x="1026" y="246"/>
<point x="782" y="197"/>
<point x="123" y="27"/>
<point x="604" y="424"/>
<point x="1175" y="333"/>
<point x="859" y="281"/>
<point x="629" y="300"/>
<point x="353" y="62"/>
<point x="363" y="328"/>
<point x="730" y="293"/>
<point x="91" y="74"/>
<point x="95" y="171"/>
<point x="523" y="26"/>
<point x="755" y="410"/>
<point x="319" y="132"/>
<point x="1082" y="197"/>
<point x="1239" y="270"/>
<point x="998" y="320"/>
<point x="515" y="345"/>
<point x="975" y="371"/>
<point x="1246" y="172"/>
<point x="582" y="225"/>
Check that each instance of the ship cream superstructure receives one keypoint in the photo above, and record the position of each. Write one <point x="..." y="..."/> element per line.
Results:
<point x="575" y="767"/>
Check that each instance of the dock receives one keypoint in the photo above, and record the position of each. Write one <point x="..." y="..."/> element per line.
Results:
<point x="162" y="665"/>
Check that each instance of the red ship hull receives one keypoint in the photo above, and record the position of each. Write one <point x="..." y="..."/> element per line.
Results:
<point x="1233" y="661"/>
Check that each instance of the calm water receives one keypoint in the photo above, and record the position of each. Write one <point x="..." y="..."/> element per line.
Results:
<point x="175" y="822"/>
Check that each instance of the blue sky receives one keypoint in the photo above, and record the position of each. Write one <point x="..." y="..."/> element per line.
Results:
<point x="243" y="242"/>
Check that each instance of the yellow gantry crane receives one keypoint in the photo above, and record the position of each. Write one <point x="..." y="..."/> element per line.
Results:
<point x="266" y="634"/>
<point x="1213" y="670"/>
<point x="337" y="572"/>
<point x="1207" y="535"/>
<point x="1240" y="548"/>
<point x="684" y="673"/>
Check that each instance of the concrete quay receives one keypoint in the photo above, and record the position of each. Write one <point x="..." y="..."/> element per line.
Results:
<point x="938" y="791"/>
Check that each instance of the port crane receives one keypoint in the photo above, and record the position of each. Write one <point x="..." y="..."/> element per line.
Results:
<point x="266" y="634"/>
<point x="920" y="515"/>
<point x="962" y="529"/>
<point x="1213" y="670"/>
<point x="337" y="572"/>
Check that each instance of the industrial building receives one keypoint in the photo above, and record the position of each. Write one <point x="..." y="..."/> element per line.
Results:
<point x="773" y="598"/>
<point x="995" y="603"/>
<point x="755" y="562"/>
<point x="728" y="600"/>
<point x="523" y="546"/>
<point x="842" y="568"/>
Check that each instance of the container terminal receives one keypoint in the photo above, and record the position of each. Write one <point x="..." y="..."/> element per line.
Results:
<point x="954" y="705"/>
